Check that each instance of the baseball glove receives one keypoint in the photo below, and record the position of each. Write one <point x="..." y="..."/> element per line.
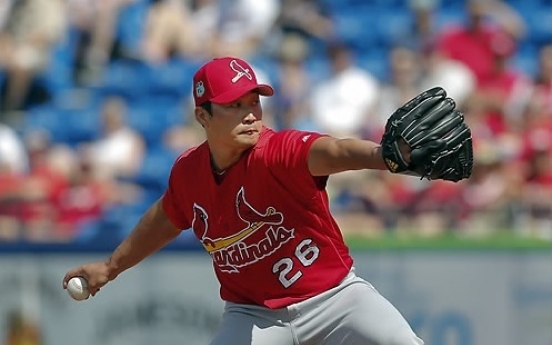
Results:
<point x="439" y="140"/>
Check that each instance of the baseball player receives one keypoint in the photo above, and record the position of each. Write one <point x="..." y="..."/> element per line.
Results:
<point x="256" y="199"/>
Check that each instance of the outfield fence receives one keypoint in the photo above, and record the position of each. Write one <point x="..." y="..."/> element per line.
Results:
<point x="451" y="297"/>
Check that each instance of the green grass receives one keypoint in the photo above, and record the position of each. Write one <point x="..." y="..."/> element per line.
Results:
<point x="498" y="241"/>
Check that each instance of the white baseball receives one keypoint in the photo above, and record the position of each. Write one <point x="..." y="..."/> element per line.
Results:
<point x="78" y="288"/>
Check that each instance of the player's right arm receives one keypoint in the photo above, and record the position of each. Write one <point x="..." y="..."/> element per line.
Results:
<point x="151" y="233"/>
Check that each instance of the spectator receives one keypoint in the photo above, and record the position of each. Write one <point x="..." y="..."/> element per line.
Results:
<point x="535" y="133"/>
<point x="537" y="192"/>
<point x="13" y="155"/>
<point x="490" y="192"/>
<point x="87" y="196"/>
<point x="304" y="18"/>
<point x="179" y="138"/>
<point x="32" y="29"/>
<point x="293" y="82"/>
<point x="403" y="85"/>
<point x="504" y="93"/>
<point x="50" y="165"/>
<point x="424" y="31"/>
<point x="243" y="26"/>
<point x="10" y="204"/>
<point x="95" y="25"/>
<point x="543" y="80"/>
<point x="62" y="193"/>
<point x="452" y="75"/>
<point x="14" y="164"/>
<point x="5" y="9"/>
<point x="204" y="16"/>
<point x="169" y="32"/>
<point x="80" y="202"/>
<point x="120" y="149"/>
<point x="489" y="21"/>
<point x="437" y="69"/>
<point x="232" y="27"/>
<point x="433" y="208"/>
<point x="374" y="204"/>
<point x="341" y="105"/>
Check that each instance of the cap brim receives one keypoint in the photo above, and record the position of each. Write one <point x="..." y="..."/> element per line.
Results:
<point x="234" y="94"/>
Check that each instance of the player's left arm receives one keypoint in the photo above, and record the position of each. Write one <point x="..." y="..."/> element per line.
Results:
<point x="330" y="155"/>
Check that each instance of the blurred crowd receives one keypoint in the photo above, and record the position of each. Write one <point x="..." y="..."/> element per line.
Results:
<point x="95" y="104"/>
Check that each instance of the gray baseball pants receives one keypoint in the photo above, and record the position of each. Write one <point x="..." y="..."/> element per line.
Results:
<point x="352" y="313"/>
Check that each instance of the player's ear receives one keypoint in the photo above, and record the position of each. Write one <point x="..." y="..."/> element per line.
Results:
<point x="202" y="116"/>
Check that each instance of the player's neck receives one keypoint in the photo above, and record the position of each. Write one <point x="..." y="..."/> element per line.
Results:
<point x="219" y="169"/>
<point x="219" y="165"/>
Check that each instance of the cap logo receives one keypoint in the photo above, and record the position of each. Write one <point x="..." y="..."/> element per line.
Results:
<point x="240" y="71"/>
<point x="199" y="89"/>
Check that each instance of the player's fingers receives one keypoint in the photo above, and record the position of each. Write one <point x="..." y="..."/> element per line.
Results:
<point x="404" y="149"/>
<point x="95" y="282"/>
<point x="76" y="272"/>
<point x="94" y="273"/>
<point x="72" y="273"/>
<point x="93" y="292"/>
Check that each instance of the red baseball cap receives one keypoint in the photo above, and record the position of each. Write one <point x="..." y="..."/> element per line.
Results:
<point x="223" y="80"/>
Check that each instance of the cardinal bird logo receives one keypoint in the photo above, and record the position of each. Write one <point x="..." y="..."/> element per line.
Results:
<point x="231" y="252"/>
<point x="251" y="216"/>
<point x="240" y="71"/>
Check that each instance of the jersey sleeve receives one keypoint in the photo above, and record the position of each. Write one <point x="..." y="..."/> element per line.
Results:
<point x="288" y="156"/>
<point x="170" y="199"/>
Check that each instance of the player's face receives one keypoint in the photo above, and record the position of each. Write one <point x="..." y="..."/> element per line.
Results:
<point x="238" y="123"/>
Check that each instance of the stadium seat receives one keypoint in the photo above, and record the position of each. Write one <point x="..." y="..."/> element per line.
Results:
<point x="170" y="78"/>
<point x="82" y="125"/>
<point x="116" y="222"/>
<point x="130" y="26"/>
<point x="2" y="78"/>
<point x="154" y="172"/>
<point x="392" y="25"/>
<point x="524" y="60"/>
<point x="376" y="62"/>
<point x="153" y="115"/>
<point x="318" y="68"/>
<point x="57" y="77"/>
<point x="45" y="118"/>
<point x="357" y="27"/>
<point x="450" y="16"/>
<point x="538" y="18"/>
<point x="59" y="74"/>
<point x="124" y="78"/>
<point x="540" y="25"/>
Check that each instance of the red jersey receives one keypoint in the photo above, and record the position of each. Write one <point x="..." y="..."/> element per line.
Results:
<point x="266" y="224"/>
<point x="474" y="49"/>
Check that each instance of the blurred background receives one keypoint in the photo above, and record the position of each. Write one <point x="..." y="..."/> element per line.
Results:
<point x="95" y="105"/>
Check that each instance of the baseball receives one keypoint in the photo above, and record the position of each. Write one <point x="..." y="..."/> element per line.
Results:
<point x="78" y="288"/>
